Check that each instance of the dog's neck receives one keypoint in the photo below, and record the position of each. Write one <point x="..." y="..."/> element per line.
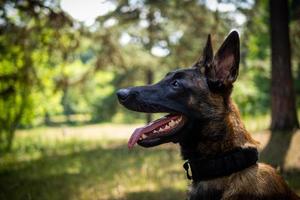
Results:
<point x="218" y="148"/>
<point x="215" y="137"/>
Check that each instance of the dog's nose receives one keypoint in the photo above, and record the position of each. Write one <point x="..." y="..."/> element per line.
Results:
<point x="123" y="94"/>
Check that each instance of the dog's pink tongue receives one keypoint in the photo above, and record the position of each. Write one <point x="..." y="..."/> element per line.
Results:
<point x="135" y="136"/>
<point x="148" y="129"/>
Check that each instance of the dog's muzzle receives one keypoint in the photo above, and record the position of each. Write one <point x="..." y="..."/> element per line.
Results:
<point x="123" y="94"/>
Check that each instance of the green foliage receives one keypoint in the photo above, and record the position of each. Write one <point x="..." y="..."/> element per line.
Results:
<point x="103" y="102"/>
<point x="258" y="38"/>
<point x="251" y="91"/>
<point x="27" y="31"/>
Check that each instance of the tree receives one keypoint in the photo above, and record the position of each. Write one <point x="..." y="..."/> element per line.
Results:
<point x="31" y="33"/>
<point x="284" y="113"/>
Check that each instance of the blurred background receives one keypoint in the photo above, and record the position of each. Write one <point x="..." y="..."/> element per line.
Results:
<point x="63" y="134"/>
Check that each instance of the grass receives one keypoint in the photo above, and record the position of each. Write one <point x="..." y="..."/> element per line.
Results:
<point x="93" y="162"/>
<point x="62" y="164"/>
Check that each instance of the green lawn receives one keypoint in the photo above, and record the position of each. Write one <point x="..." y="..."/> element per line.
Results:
<point x="92" y="162"/>
<point x="45" y="165"/>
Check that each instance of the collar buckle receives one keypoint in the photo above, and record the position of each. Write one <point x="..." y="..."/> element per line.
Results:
<point x="186" y="166"/>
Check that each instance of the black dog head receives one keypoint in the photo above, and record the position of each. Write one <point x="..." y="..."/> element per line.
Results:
<point x="191" y="96"/>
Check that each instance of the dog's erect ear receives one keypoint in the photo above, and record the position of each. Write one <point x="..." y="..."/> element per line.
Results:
<point x="225" y="65"/>
<point x="207" y="55"/>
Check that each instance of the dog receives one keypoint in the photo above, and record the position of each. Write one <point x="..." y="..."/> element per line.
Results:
<point x="221" y="156"/>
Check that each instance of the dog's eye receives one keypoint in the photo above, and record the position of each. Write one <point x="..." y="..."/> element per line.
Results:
<point x="175" y="84"/>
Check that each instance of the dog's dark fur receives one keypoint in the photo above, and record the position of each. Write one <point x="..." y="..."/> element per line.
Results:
<point x="202" y="94"/>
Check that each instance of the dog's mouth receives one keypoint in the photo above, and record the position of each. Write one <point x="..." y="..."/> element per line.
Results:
<point x="157" y="132"/>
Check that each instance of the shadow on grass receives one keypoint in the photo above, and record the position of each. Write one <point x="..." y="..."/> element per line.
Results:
<point x="100" y="173"/>
<point x="293" y="178"/>
<point x="276" y="150"/>
<point x="106" y="172"/>
<point x="162" y="194"/>
<point x="275" y="154"/>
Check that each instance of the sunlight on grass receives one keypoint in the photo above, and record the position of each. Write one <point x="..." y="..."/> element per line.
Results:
<point x="254" y="124"/>
<point x="45" y="166"/>
<point x="92" y="162"/>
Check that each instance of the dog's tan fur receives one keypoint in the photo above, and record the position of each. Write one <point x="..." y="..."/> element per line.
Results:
<point x="260" y="180"/>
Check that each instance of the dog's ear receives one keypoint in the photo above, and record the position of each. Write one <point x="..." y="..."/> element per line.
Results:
<point x="225" y="65"/>
<point x="207" y="55"/>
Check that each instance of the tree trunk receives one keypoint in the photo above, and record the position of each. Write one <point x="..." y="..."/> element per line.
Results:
<point x="284" y="114"/>
<point x="149" y="77"/>
<point x="67" y="110"/>
<point x="47" y="119"/>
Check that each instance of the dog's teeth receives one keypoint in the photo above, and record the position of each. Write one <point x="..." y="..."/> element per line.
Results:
<point x="144" y="136"/>
<point x="155" y="131"/>
<point x="160" y="130"/>
<point x="178" y="120"/>
<point x="171" y="123"/>
<point x="167" y="127"/>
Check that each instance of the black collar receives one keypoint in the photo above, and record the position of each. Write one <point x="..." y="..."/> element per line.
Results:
<point x="222" y="165"/>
